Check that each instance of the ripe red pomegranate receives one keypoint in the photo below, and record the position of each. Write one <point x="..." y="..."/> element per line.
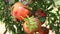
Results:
<point x="19" y="11"/>
<point x="31" y="26"/>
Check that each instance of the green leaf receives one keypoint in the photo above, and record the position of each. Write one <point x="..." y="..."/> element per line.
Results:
<point x="57" y="32"/>
<point x="42" y="19"/>
<point x="31" y="5"/>
<point x="5" y="31"/>
<point x="11" y="1"/>
<point x="14" y="32"/>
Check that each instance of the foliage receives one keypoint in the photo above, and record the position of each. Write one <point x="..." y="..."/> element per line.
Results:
<point x="47" y="6"/>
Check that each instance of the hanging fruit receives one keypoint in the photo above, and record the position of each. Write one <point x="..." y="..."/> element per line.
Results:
<point x="40" y="13"/>
<point x="31" y="25"/>
<point x="43" y="30"/>
<point x="19" y="10"/>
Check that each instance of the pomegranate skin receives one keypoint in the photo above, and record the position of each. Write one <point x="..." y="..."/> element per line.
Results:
<point x="43" y="30"/>
<point x="19" y="11"/>
<point x="26" y="29"/>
